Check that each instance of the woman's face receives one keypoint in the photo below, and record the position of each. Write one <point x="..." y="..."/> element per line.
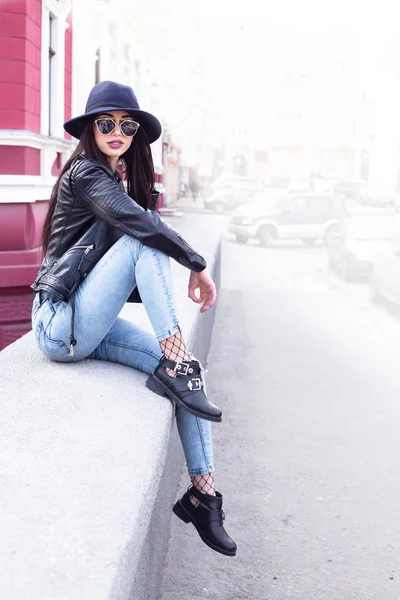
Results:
<point x="113" y="144"/>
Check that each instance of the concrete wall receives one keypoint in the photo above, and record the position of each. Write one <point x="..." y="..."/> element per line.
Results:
<point x="90" y="465"/>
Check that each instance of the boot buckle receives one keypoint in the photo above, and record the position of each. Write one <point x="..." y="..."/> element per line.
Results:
<point x="195" y="384"/>
<point x="182" y="368"/>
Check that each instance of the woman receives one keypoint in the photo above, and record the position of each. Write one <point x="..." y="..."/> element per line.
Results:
<point x="104" y="246"/>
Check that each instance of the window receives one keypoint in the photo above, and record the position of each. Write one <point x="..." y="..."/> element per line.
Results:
<point x="299" y="204"/>
<point x="54" y="25"/>
<point x="323" y="203"/>
<point x="316" y="204"/>
<point x="243" y="196"/>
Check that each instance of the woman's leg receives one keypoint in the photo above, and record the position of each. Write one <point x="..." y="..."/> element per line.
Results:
<point x="128" y="344"/>
<point x="201" y="505"/>
<point x="197" y="443"/>
<point x="124" y="343"/>
<point x="98" y="301"/>
<point x="101" y="296"/>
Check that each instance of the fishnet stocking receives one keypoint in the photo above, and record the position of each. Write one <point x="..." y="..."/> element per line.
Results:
<point x="175" y="349"/>
<point x="205" y="485"/>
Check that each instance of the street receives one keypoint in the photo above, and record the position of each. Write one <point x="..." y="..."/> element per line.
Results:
<point x="305" y="369"/>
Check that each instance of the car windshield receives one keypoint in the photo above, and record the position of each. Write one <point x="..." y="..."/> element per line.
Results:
<point x="371" y="230"/>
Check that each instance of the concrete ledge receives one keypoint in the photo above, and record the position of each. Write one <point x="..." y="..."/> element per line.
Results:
<point x="90" y="462"/>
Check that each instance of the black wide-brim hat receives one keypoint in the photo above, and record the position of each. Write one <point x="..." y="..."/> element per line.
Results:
<point x="109" y="95"/>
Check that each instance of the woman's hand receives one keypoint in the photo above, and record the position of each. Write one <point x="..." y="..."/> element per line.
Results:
<point x="208" y="292"/>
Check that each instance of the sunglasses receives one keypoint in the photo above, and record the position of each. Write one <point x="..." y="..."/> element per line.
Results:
<point x="107" y="126"/>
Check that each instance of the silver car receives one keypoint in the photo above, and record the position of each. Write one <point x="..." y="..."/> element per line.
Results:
<point x="308" y="217"/>
<point x="385" y="275"/>
<point x="357" y="240"/>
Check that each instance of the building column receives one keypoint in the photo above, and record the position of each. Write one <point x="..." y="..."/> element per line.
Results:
<point x="31" y="137"/>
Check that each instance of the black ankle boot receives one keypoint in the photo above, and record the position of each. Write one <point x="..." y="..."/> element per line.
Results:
<point x="207" y="518"/>
<point x="186" y="389"/>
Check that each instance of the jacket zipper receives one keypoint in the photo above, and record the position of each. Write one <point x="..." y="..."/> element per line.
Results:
<point x="87" y="248"/>
<point x="72" y="301"/>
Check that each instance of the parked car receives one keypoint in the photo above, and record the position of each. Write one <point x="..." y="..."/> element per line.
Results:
<point x="308" y="217"/>
<point x="376" y="196"/>
<point x="356" y="241"/>
<point x="385" y="274"/>
<point x="277" y="181"/>
<point x="321" y="185"/>
<point x="233" y="181"/>
<point x="348" y="189"/>
<point x="230" y="198"/>
<point x="300" y="186"/>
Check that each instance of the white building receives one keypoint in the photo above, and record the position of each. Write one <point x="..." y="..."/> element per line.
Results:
<point x="106" y="48"/>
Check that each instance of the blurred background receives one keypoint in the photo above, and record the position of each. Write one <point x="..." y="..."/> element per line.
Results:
<point x="300" y="97"/>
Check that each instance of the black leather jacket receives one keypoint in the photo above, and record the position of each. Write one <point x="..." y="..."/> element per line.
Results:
<point x="93" y="211"/>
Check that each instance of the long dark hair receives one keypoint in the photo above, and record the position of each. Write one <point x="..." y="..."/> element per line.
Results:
<point x="136" y="167"/>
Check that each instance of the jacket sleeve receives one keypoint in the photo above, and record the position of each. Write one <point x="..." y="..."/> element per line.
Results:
<point x="93" y="184"/>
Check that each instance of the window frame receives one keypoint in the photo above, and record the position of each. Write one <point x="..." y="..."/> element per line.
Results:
<point x="54" y="16"/>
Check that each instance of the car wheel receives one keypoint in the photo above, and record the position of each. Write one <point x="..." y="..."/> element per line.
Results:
<point x="331" y="264"/>
<point x="348" y="272"/>
<point x="266" y="235"/>
<point x="219" y="208"/>
<point x="309" y="241"/>
<point x="329" y="236"/>
<point x="242" y="238"/>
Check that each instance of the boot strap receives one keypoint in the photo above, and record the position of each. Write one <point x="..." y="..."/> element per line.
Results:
<point x="184" y="368"/>
<point x="216" y="500"/>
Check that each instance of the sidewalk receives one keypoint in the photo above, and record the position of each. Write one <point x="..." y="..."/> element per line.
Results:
<point x="186" y="204"/>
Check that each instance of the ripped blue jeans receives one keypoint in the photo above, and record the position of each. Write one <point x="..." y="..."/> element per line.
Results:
<point x="102" y="335"/>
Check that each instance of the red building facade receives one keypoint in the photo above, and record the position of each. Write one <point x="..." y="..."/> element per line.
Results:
<point x="35" y="99"/>
<point x="49" y="61"/>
